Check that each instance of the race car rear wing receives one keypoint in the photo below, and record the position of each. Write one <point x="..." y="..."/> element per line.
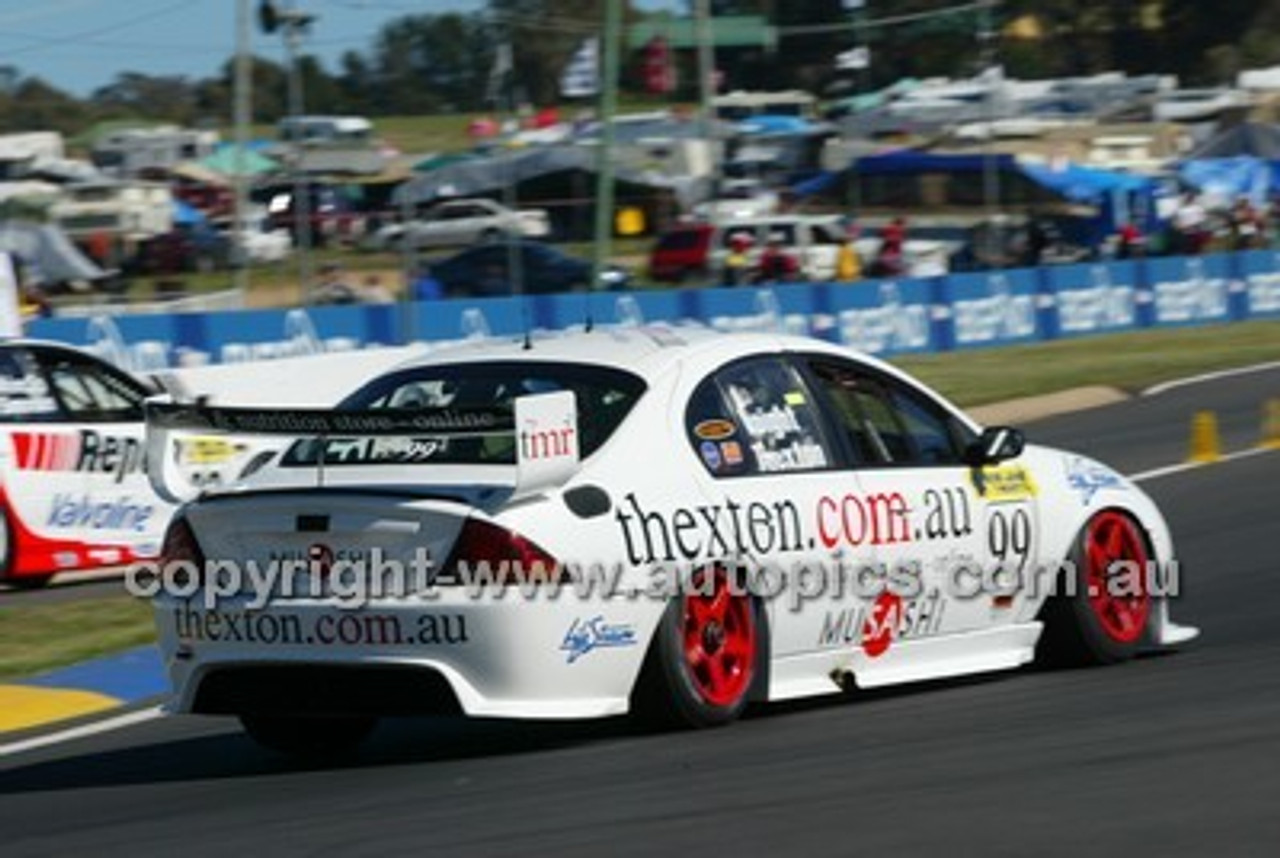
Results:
<point x="543" y="428"/>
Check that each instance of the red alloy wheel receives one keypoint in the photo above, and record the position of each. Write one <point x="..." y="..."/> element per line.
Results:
<point x="719" y="641"/>
<point x="1109" y="538"/>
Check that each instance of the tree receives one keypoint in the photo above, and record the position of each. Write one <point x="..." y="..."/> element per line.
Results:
<point x="544" y="35"/>
<point x="34" y="104"/>
<point x="170" y="97"/>
<point x="429" y="63"/>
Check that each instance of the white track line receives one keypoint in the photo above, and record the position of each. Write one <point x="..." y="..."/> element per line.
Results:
<point x="1156" y="390"/>
<point x="128" y="719"/>
<point x="1182" y="467"/>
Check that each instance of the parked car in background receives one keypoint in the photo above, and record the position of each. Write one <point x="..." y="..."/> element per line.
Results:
<point x="485" y="271"/>
<point x="333" y="216"/>
<point x="698" y="250"/>
<point x="457" y="223"/>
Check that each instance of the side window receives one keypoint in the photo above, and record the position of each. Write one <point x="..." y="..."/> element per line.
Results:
<point x="24" y="394"/>
<point x="775" y="424"/>
<point x="886" y="423"/>
<point x="92" y="392"/>
<point x="714" y="433"/>
<point x="860" y="414"/>
<point x="826" y="235"/>
<point x="934" y="434"/>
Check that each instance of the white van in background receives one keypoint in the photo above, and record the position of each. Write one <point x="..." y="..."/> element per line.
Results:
<point x="340" y="131"/>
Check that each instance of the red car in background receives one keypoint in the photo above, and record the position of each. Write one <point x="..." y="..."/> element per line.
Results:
<point x="682" y="254"/>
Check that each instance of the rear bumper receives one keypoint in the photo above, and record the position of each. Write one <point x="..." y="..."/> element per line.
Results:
<point x="509" y="658"/>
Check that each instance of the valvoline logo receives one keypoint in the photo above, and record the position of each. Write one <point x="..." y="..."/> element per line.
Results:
<point x="85" y="451"/>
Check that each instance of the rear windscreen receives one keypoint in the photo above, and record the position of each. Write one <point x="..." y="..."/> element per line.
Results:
<point x="604" y="396"/>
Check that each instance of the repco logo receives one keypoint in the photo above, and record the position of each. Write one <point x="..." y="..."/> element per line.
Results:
<point x="85" y="452"/>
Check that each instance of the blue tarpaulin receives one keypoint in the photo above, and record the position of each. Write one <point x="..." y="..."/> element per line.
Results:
<point x="184" y="214"/>
<point x="766" y="123"/>
<point x="1119" y="197"/>
<point x="1242" y="176"/>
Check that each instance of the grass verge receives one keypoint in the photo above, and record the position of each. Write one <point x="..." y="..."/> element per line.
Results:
<point x="40" y="637"/>
<point x="1130" y="361"/>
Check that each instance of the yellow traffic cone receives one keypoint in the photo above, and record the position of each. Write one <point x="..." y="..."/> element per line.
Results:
<point x="1270" y="439"/>
<point x="1205" y="445"/>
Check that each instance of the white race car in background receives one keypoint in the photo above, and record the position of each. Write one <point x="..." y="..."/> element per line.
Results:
<point x="74" y="494"/>
<point x="740" y="463"/>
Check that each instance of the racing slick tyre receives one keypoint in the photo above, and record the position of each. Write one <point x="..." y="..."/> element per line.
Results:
<point x="706" y="658"/>
<point x="1100" y="615"/>
<point x="311" y="738"/>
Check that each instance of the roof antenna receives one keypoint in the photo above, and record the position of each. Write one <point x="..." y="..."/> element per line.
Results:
<point x="528" y="334"/>
<point x="589" y="322"/>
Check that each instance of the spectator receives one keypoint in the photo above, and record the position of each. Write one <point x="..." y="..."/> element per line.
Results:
<point x="333" y="287"/>
<point x="1190" y="222"/>
<point x="737" y="264"/>
<point x="896" y="233"/>
<point x="1038" y="240"/>
<point x="848" y="261"/>
<point x="1130" y="242"/>
<point x="1273" y="221"/>
<point x="425" y="286"/>
<point x="891" y="259"/>
<point x="1247" y="229"/>
<point x="777" y="264"/>
<point x="373" y="292"/>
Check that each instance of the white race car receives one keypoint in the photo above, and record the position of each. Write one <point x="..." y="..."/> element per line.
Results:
<point x="74" y="494"/>
<point x="667" y="521"/>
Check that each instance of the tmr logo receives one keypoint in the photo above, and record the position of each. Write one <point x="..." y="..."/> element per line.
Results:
<point x="538" y="442"/>
<point x="85" y="452"/>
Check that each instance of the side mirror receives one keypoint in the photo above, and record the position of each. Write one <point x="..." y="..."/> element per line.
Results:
<point x="995" y="444"/>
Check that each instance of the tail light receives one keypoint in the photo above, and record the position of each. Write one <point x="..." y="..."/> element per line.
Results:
<point x="487" y="553"/>
<point x="180" y="547"/>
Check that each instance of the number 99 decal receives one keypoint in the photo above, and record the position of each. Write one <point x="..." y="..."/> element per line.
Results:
<point x="1009" y="537"/>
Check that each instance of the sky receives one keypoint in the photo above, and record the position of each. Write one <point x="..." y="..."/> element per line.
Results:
<point x="80" y="45"/>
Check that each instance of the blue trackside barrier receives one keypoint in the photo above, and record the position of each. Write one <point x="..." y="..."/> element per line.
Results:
<point x="1259" y="295"/>
<point x="885" y="317"/>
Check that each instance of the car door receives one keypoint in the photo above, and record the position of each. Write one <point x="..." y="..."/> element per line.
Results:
<point x="108" y="501"/>
<point x="766" y="463"/>
<point x="437" y="228"/>
<point x="935" y="522"/>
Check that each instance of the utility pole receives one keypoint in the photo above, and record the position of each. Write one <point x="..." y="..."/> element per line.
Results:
<point x="707" y="96"/>
<point x="857" y="10"/>
<point x="609" y="53"/>
<point x="242" y="115"/>
<point x="292" y="24"/>
<point x="991" y="169"/>
<point x="295" y="23"/>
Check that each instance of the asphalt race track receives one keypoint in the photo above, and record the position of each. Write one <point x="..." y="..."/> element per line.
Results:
<point x="1170" y="755"/>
